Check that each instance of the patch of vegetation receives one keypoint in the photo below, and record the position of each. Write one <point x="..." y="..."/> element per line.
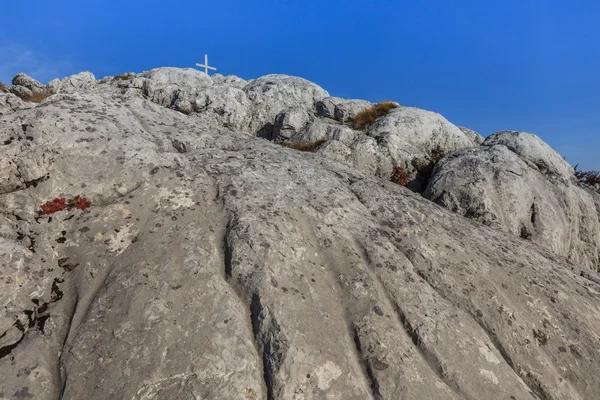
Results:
<point x="59" y="204"/>
<point x="425" y="166"/>
<point x="591" y="178"/>
<point x="305" y="146"/>
<point x="3" y="87"/>
<point x="122" y="77"/>
<point x="399" y="176"/>
<point x="37" y="97"/>
<point x="368" y="116"/>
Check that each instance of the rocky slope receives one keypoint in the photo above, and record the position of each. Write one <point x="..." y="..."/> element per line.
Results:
<point x="215" y="264"/>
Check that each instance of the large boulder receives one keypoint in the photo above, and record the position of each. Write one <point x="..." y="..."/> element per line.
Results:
<point x="475" y="137"/>
<point x="342" y="110"/>
<point x="534" y="151"/>
<point x="272" y="94"/>
<point x="408" y="133"/>
<point x="497" y="187"/>
<point x="25" y="86"/>
<point x="290" y="122"/>
<point x="227" y="106"/>
<point x="72" y="84"/>
<point x="166" y="86"/>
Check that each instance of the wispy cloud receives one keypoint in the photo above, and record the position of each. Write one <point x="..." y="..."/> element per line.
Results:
<point x="15" y="58"/>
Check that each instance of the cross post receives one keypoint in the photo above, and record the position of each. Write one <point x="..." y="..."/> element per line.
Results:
<point x="205" y="65"/>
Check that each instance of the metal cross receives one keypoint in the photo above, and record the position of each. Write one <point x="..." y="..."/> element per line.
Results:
<point x="205" y="65"/>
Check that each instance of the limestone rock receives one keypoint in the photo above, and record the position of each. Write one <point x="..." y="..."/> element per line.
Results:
<point x="272" y="94"/>
<point x="534" y="151"/>
<point x="289" y="122"/>
<point x="229" y="80"/>
<point x="72" y="84"/>
<point x="216" y="265"/>
<point x="407" y="133"/>
<point x="27" y="82"/>
<point x="166" y="86"/>
<point x="10" y="103"/>
<point x="322" y="128"/>
<point x="475" y="137"/>
<point x="225" y="105"/>
<point x="342" y="110"/>
<point x="496" y="187"/>
<point x="346" y="110"/>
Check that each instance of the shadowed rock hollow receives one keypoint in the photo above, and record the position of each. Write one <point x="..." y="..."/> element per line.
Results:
<point x="215" y="264"/>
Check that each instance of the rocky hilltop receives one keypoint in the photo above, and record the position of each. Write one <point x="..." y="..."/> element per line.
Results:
<point x="207" y="258"/>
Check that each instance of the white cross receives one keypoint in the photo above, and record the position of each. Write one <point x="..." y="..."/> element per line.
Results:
<point x="205" y="65"/>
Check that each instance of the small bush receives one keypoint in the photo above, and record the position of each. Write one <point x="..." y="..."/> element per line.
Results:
<point x="591" y="178"/>
<point x="399" y="176"/>
<point x="305" y="146"/>
<point x="3" y="87"/>
<point x="122" y="77"/>
<point x="37" y="97"/>
<point x="368" y="116"/>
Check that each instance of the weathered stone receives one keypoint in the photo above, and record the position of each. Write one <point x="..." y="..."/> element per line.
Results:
<point x="289" y="122"/>
<point x="272" y="94"/>
<point x="341" y="110"/>
<point x="238" y="269"/>
<point x="475" y="137"/>
<point x="496" y="187"/>
<point x="534" y="151"/>
<point x="407" y="133"/>
<point x="72" y="84"/>
<point x="27" y="82"/>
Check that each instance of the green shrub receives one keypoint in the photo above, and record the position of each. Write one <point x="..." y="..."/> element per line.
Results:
<point x="368" y="116"/>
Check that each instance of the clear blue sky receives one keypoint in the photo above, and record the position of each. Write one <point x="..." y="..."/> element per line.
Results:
<point x="489" y="65"/>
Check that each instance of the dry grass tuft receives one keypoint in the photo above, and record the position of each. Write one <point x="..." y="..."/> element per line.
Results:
<point x="36" y="97"/>
<point x="305" y="146"/>
<point x="122" y="77"/>
<point x="368" y="116"/>
<point x="399" y="176"/>
<point x="3" y="87"/>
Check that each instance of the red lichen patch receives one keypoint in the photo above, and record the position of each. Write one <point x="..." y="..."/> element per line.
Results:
<point x="59" y="204"/>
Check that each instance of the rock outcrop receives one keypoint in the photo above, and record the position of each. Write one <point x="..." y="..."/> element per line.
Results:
<point x="517" y="183"/>
<point x="213" y="264"/>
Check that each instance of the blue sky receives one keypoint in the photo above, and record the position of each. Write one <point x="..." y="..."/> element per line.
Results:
<point x="490" y="65"/>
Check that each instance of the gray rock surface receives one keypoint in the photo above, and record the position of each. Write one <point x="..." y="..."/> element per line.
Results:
<point x="408" y="133"/>
<point x="341" y="110"/>
<point x="10" y="102"/>
<point x="75" y="83"/>
<point x="534" y="151"/>
<point x="216" y="265"/>
<point x="475" y="137"/>
<point x="290" y="122"/>
<point x="497" y="187"/>
<point x="272" y="94"/>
